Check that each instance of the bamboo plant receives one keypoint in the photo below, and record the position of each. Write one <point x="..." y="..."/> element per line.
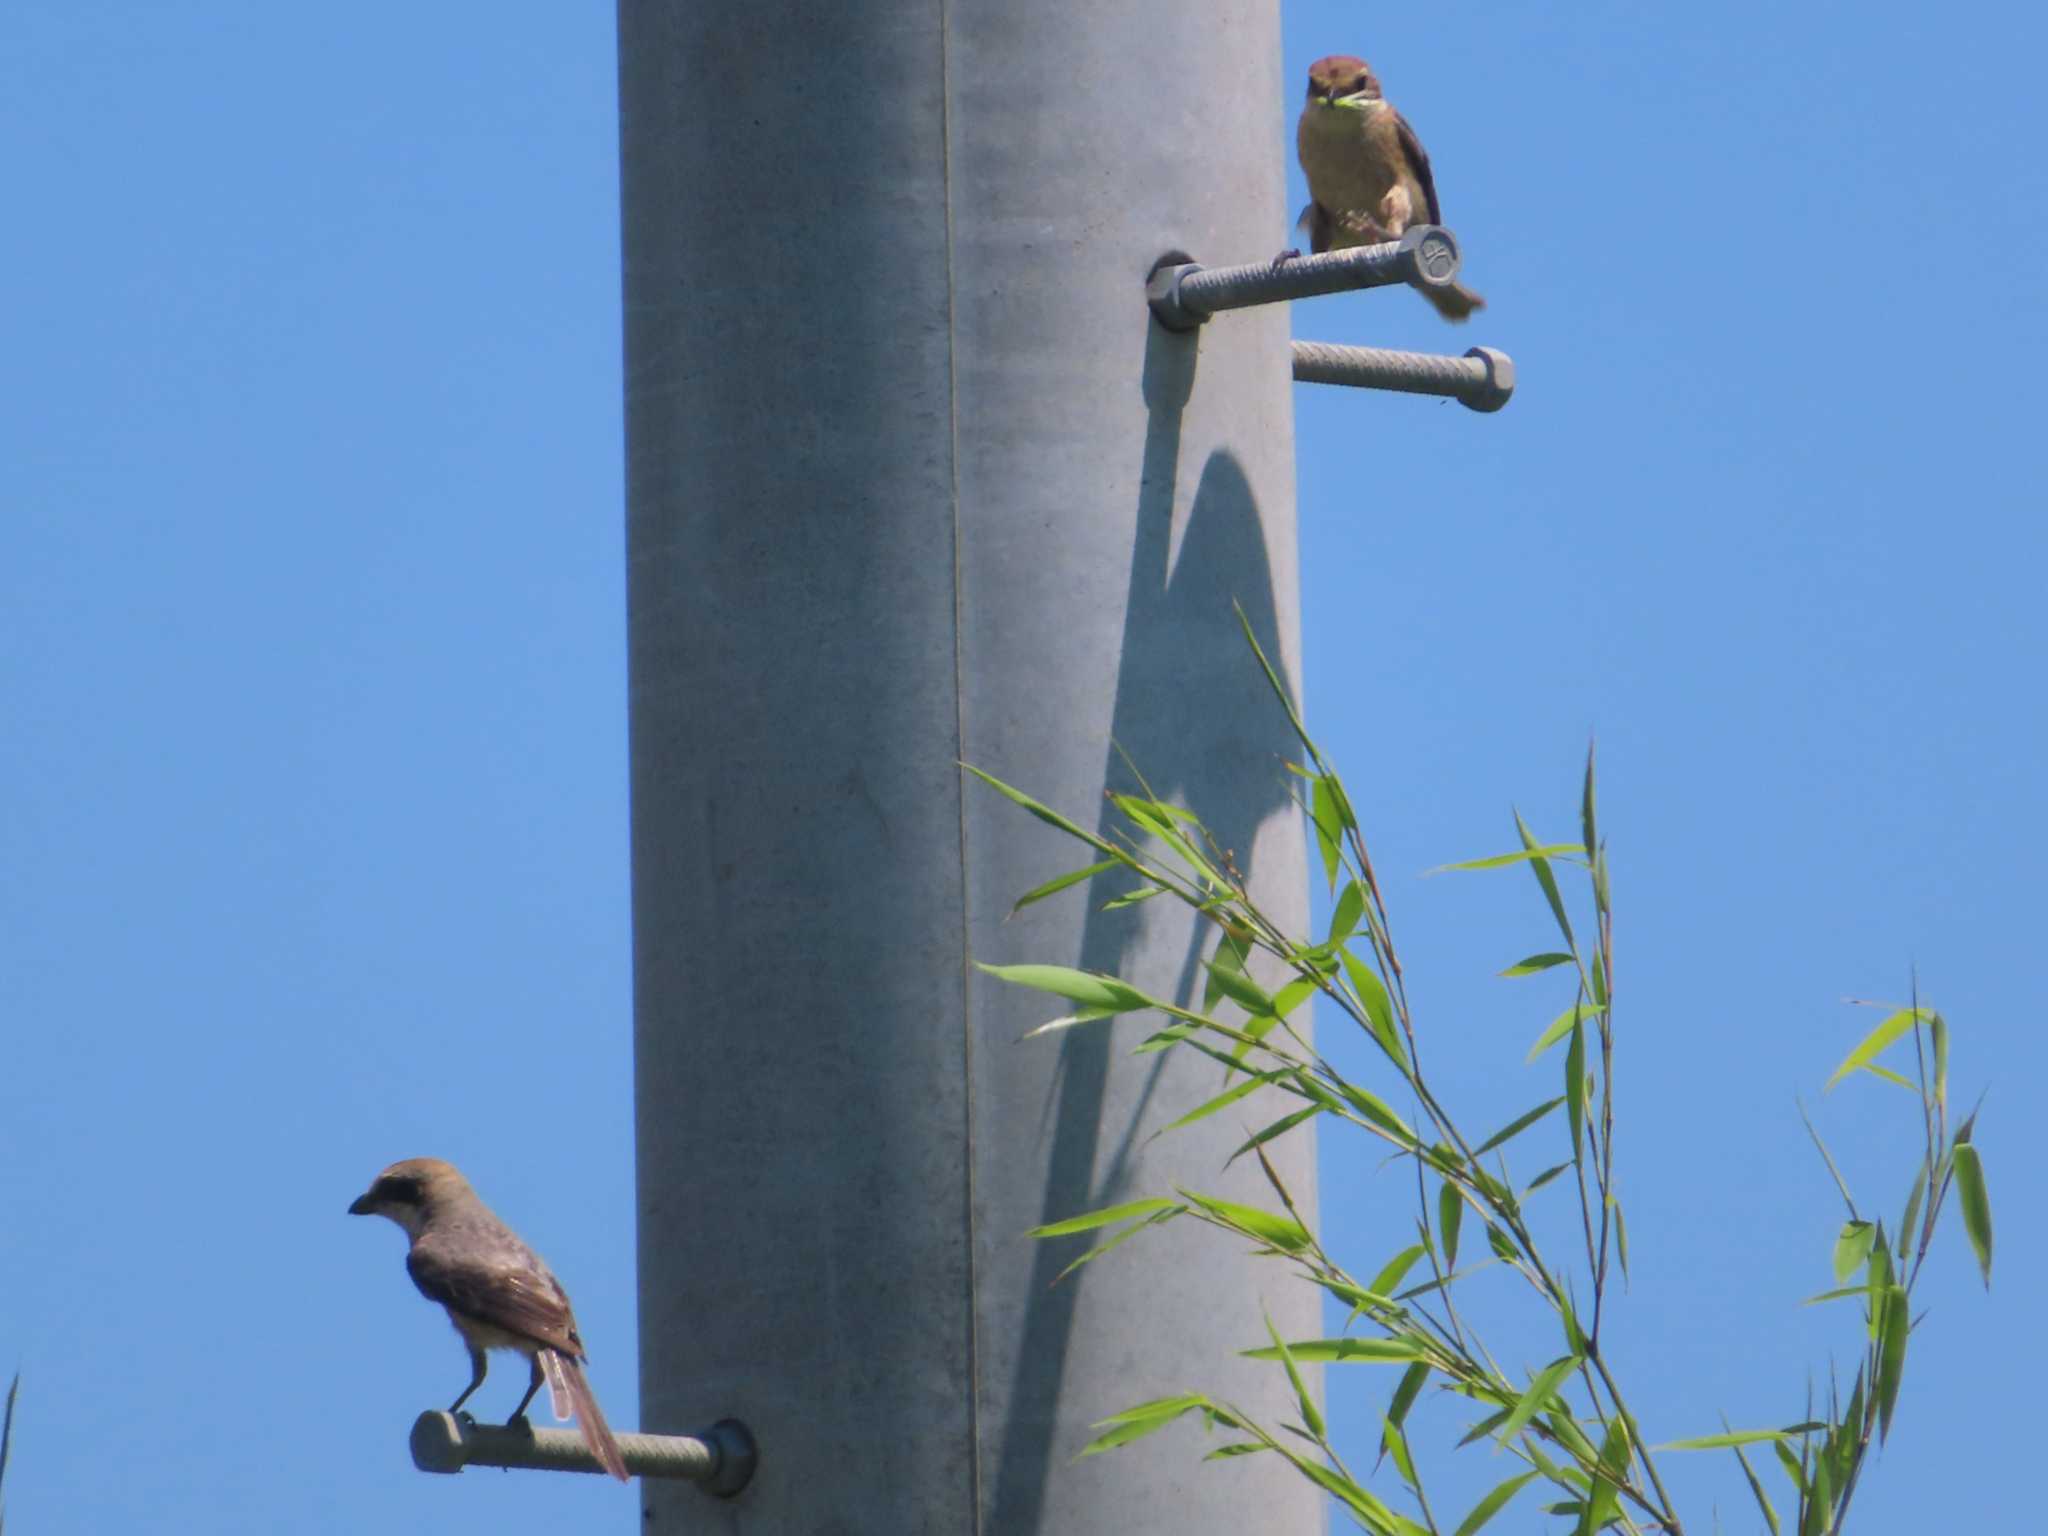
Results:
<point x="1569" y="1426"/>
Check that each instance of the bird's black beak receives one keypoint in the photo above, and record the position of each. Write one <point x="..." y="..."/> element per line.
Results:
<point x="361" y="1206"/>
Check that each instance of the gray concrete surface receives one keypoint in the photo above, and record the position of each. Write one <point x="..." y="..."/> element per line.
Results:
<point x="913" y="478"/>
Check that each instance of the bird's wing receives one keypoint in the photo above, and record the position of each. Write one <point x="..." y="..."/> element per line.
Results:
<point x="1312" y="229"/>
<point x="517" y="1298"/>
<point x="1418" y="162"/>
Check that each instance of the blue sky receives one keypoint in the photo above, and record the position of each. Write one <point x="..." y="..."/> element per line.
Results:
<point x="314" y="669"/>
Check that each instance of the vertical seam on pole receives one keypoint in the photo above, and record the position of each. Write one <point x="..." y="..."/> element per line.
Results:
<point x="959" y="782"/>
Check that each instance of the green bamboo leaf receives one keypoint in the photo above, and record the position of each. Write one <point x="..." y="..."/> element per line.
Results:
<point x="1108" y="1216"/>
<point x="1921" y="1179"/>
<point x="1793" y="1469"/>
<point x="1539" y="865"/>
<point x="1241" y="989"/>
<point x="1426" y="1286"/>
<point x="1350" y="908"/>
<point x="1345" y="1351"/>
<point x="1376" y="1112"/>
<point x="1843" y="1442"/>
<point x="1756" y="1489"/>
<point x="1722" y="1442"/>
<point x="1069" y="1021"/>
<point x="1891" y="1356"/>
<point x="1485" y="1427"/>
<point x="1604" y="1497"/>
<point x="1239" y="1448"/>
<point x="1132" y="898"/>
<point x="1543" y="1178"/>
<point x="1588" y="822"/>
<point x="1282" y="1232"/>
<point x="1231" y="954"/>
<point x="1278" y="1128"/>
<point x="1149" y="816"/>
<point x="1853" y="1247"/>
<point x="1559" y="1027"/>
<point x="1874" y="1042"/>
<point x="1406" y="1392"/>
<point x="1225" y="1099"/>
<point x="1136" y="1423"/>
<point x="1502" y="860"/>
<point x="1575" y="1089"/>
<point x="1329" y="825"/>
<point x="1255" y="1030"/>
<point x="1141" y="1412"/>
<point x="1878" y="1280"/>
<point x="1823" y="1504"/>
<point x="1193" y="1041"/>
<point x="1535" y="963"/>
<point x="1572" y="1438"/>
<point x="7" y="1435"/>
<point x="1371" y="1512"/>
<point x="1050" y="817"/>
<point x="1395" y="1443"/>
<point x="1827" y="1158"/>
<point x="1841" y="1295"/>
<point x="1120" y="1239"/>
<point x="1310" y="1414"/>
<point x="1568" y="1315"/>
<point x="1393" y="1437"/>
<point x="1502" y="1245"/>
<point x="1516" y="1126"/>
<point x="1549" y="1468"/>
<point x="1379" y="1008"/>
<point x="1450" y="1213"/>
<point x="1539" y="1394"/>
<point x="1939" y="1028"/>
<point x="1389" y="1278"/>
<point x="1620" y="1234"/>
<point x="1088" y="988"/>
<point x="1029" y="803"/>
<point x="1345" y="815"/>
<point x="1976" y="1203"/>
<point x="1357" y="1297"/>
<point x="1491" y="1505"/>
<point x="1059" y="883"/>
<point x="1969" y="1125"/>
<point x="1279" y="688"/>
<point x="1293" y="995"/>
<point x="1172" y="1035"/>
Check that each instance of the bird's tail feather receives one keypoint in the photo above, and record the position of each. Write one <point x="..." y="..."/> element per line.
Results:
<point x="1455" y="302"/>
<point x="559" y="1395"/>
<point x="566" y="1380"/>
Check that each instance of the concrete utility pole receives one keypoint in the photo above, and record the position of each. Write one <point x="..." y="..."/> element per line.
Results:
<point x="915" y="477"/>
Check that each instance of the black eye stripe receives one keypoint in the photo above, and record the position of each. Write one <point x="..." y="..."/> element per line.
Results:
<point x="398" y="1191"/>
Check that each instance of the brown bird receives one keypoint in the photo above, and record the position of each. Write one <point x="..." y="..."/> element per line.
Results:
<point x="1367" y="174"/>
<point x="498" y="1293"/>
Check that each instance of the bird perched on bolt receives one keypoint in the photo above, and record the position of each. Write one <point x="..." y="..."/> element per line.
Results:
<point x="1368" y="177"/>
<point x="498" y="1293"/>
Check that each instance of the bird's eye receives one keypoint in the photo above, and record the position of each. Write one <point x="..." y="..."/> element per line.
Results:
<point x="399" y="1191"/>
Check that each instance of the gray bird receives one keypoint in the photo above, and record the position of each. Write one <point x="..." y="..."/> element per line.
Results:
<point x="498" y="1293"/>
<point x="1367" y="174"/>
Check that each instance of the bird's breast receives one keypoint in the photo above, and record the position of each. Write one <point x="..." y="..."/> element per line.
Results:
<point x="1351" y="157"/>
